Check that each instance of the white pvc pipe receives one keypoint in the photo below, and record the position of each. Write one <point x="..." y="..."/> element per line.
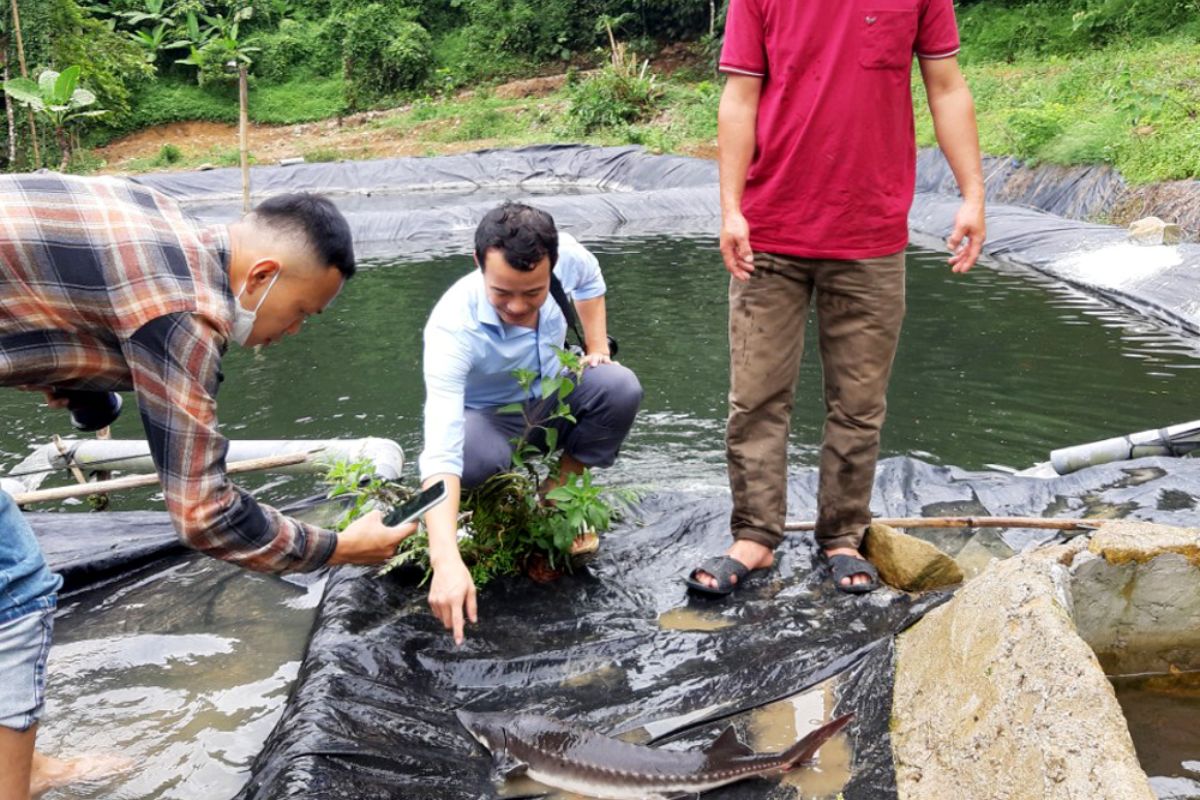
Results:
<point x="132" y="455"/>
<point x="1168" y="441"/>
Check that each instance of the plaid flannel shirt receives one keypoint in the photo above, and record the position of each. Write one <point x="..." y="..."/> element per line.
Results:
<point x="105" y="285"/>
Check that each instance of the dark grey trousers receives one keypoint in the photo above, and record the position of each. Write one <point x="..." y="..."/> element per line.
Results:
<point x="604" y="405"/>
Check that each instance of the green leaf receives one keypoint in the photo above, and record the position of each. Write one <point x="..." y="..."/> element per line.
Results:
<point x="82" y="97"/>
<point x="511" y="408"/>
<point x="551" y="439"/>
<point x="46" y="83"/>
<point x="24" y="91"/>
<point x="560" y="494"/>
<point x="64" y="86"/>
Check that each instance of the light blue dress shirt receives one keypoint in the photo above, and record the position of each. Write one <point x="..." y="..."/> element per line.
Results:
<point x="470" y="354"/>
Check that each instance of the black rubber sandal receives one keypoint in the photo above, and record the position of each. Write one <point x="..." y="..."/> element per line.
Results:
<point x="845" y="566"/>
<point x="723" y="569"/>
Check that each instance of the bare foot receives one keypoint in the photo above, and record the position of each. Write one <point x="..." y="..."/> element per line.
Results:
<point x="858" y="578"/>
<point x="752" y="554"/>
<point x="51" y="773"/>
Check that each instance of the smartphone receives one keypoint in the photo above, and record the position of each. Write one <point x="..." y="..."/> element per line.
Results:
<point x="407" y="512"/>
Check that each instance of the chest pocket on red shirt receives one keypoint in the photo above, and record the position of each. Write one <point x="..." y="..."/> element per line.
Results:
<point x="886" y="38"/>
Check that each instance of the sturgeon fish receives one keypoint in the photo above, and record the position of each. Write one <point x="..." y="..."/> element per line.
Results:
<point x="566" y="757"/>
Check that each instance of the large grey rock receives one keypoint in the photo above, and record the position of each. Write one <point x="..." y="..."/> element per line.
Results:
<point x="1137" y="597"/>
<point x="1152" y="231"/>
<point x="908" y="563"/>
<point x="997" y="697"/>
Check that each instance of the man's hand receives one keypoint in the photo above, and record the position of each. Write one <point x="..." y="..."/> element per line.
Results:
<point x="596" y="359"/>
<point x="968" y="236"/>
<point x="52" y="400"/>
<point x="368" y="541"/>
<point x="735" y="246"/>
<point x="452" y="589"/>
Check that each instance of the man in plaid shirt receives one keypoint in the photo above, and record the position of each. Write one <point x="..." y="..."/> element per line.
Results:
<point x="106" y="286"/>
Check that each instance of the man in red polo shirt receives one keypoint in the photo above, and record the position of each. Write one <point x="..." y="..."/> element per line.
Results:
<point x="817" y="161"/>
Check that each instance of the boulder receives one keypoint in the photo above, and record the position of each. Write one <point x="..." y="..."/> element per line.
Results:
<point x="998" y="697"/>
<point x="1152" y="231"/>
<point x="908" y="563"/>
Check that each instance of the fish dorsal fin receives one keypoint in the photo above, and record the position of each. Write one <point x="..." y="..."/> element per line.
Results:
<point x="728" y="745"/>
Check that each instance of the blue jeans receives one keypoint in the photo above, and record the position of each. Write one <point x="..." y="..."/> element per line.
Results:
<point x="26" y="583"/>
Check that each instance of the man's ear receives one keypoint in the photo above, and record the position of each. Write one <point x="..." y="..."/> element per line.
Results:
<point x="261" y="273"/>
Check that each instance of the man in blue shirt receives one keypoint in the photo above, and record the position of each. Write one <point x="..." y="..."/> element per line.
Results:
<point x="488" y="324"/>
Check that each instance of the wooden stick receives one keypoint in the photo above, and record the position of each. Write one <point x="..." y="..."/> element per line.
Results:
<point x="141" y="481"/>
<point x="70" y="462"/>
<point x="971" y="522"/>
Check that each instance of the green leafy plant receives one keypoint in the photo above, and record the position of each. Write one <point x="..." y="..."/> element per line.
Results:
<point x="356" y="483"/>
<point x="527" y="518"/>
<point x="168" y="154"/>
<point x="622" y="92"/>
<point x="58" y="99"/>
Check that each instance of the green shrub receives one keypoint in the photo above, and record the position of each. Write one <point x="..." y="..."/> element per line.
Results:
<point x="1031" y="129"/>
<point x="383" y="54"/>
<point x="612" y="98"/>
<point x="298" y="49"/>
<point x="168" y="154"/>
<point x="110" y="64"/>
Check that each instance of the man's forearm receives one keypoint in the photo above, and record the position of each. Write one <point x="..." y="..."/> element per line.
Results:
<point x="441" y="521"/>
<point x="594" y="317"/>
<point x="736" y="120"/>
<point x="957" y="133"/>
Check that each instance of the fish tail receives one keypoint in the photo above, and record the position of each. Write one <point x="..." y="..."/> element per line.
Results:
<point x="804" y="750"/>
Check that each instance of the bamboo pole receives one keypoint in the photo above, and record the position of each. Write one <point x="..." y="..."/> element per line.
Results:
<point x="971" y="522"/>
<point x="243" y="145"/>
<point x="16" y="20"/>
<point x="141" y="481"/>
<point x="8" y="113"/>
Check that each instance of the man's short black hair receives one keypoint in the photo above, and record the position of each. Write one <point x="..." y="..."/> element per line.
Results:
<point x="316" y="219"/>
<point x="524" y="234"/>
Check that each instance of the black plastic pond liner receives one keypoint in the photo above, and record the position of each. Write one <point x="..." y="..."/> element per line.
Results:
<point x="1037" y="238"/>
<point x="372" y="712"/>
<point x="428" y="206"/>
<point x="87" y="548"/>
<point x="420" y="207"/>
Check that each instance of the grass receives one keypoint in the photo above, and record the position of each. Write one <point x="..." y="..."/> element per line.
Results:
<point x="1134" y="107"/>
<point x="173" y="100"/>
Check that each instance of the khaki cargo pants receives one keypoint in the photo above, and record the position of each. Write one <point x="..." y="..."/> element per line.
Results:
<point x="860" y="307"/>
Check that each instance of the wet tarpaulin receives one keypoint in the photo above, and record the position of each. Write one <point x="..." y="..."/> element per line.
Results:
<point x="1159" y="281"/>
<point x="86" y="548"/>
<point x="425" y="205"/>
<point x="372" y="713"/>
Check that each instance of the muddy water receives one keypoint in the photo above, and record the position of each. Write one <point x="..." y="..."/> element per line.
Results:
<point x="779" y="725"/>
<point x="689" y="619"/>
<point x="1163" y="712"/>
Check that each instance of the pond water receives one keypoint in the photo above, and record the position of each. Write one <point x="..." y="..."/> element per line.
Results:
<point x="187" y="670"/>
<point x="1163" y="712"/>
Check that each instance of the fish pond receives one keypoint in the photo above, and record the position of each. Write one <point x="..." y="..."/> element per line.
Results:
<point x="186" y="667"/>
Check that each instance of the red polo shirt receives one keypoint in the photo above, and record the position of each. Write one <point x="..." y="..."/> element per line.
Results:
<point x="835" y="157"/>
